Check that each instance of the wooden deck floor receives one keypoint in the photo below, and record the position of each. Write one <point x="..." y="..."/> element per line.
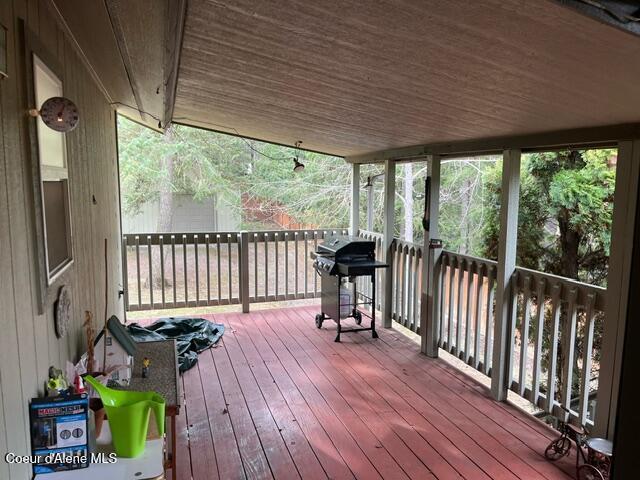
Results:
<point x="279" y="399"/>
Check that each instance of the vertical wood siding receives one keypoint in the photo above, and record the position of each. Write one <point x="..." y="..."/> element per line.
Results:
<point x="28" y="344"/>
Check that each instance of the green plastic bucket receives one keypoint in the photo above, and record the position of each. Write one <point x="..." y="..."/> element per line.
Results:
<point x="128" y="414"/>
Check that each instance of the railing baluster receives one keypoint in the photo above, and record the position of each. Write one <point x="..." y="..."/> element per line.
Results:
<point x="173" y="269"/>
<point x="195" y="250"/>
<point x="488" y="339"/>
<point x="286" y="265"/>
<point x="137" y="242"/>
<point x="402" y="287"/>
<point x="296" y="263"/>
<point x="219" y="271"/>
<point x="161" y="246"/>
<point x="417" y="286"/>
<point x="306" y="265"/>
<point x="587" y="347"/>
<point x="379" y="282"/>
<point x="537" y="354"/>
<point x="553" y="350"/>
<point x="150" y="259"/>
<point x="255" y="266"/>
<point x="125" y="272"/>
<point x="444" y="259"/>
<point x="239" y="262"/>
<point x="452" y="273"/>
<point x="184" y="270"/>
<point x="461" y="270"/>
<point x="480" y="275"/>
<point x="467" y="325"/>
<point x="568" y="347"/>
<point x="510" y="345"/>
<point x="265" y="242"/>
<point x="230" y="282"/>
<point x="315" y="277"/>
<point x="524" y="336"/>
<point x="397" y="259"/>
<point x="208" y="247"/>
<point x="410" y="319"/>
<point x="277" y="266"/>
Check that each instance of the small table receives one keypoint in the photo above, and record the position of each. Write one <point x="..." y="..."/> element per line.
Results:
<point x="163" y="379"/>
<point x="148" y="466"/>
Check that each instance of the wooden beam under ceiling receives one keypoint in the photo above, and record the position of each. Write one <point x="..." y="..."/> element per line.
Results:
<point x="174" y="33"/>
<point x="575" y="138"/>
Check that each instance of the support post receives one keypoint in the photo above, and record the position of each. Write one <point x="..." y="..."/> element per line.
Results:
<point x="503" y="328"/>
<point x="243" y="245"/>
<point x="355" y="200"/>
<point x="626" y="460"/>
<point x="618" y="278"/>
<point x="430" y="294"/>
<point x="387" y="240"/>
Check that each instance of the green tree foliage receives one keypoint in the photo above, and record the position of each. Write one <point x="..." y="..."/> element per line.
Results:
<point x="565" y="214"/>
<point x="208" y="163"/>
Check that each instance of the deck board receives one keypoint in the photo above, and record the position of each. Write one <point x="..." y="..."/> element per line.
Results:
<point x="278" y="398"/>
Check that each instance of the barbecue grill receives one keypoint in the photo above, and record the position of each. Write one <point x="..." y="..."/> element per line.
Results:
<point x="339" y="261"/>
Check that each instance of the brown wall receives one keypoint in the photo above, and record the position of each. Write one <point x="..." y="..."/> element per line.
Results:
<point x="28" y="343"/>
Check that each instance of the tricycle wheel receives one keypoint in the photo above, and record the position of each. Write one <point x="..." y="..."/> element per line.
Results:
<point x="319" y="320"/>
<point x="558" y="448"/>
<point x="588" y="472"/>
<point x="357" y="316"/>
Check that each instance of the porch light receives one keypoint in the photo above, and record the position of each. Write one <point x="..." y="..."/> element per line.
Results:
<point x="371" y="179"/>
<point x="297" y="165"/>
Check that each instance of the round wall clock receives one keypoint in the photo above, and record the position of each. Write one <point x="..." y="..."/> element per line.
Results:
<point x="59" y="114"/>
<point x="62" y="314"/>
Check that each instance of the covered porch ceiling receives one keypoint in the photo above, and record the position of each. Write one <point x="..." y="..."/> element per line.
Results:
<point x="349" y="78"/>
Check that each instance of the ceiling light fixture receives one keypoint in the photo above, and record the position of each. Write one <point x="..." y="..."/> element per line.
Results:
<point x="297" y="165"/>
<point x="371" y="179"/>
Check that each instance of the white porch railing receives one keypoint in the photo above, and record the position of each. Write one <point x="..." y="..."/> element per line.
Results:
<point x="553" y="354"/>
<point x="175" y="270"/>
<point x="467" y="308"/>
<point x="406" y="265"/>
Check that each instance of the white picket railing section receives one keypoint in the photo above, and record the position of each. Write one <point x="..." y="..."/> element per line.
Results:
<point x="553" y="352"/>
<point x="467" y="308"/>
<point x="553" y="367"/>
<point x="406" y="267"/>
<point x="175" y="270"/>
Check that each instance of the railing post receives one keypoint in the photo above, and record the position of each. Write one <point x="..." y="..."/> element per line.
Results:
<point x="619" y="295"/>
<point x="355" y="200"/>
<point x="429" y="305"/>
<point x="387" y="239"/>
<point x="503" y="328"/>
<point x="243" y="245"/>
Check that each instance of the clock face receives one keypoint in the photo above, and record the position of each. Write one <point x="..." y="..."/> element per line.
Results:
<point x="59" y="114"/>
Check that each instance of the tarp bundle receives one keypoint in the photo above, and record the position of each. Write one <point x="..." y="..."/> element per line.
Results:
<point x="192" y="335"/>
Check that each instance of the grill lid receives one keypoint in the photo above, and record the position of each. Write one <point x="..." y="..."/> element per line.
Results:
<point x="345" y="245"/>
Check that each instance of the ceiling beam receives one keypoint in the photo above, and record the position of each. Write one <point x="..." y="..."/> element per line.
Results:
<point x="575" y="138"/>
<point x="174" y="33"/>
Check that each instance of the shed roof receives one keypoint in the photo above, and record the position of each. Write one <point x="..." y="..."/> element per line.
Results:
<point x="348" y="77"/>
